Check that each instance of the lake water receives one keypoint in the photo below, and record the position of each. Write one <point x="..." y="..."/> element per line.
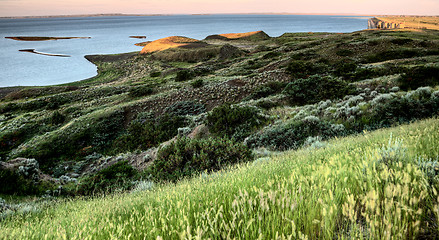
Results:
<point x="110" y="35"/>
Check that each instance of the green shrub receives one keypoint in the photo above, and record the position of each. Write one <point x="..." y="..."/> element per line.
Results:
<point x="57" y="118"/>
<point x="303" y="69"/>
<point x="202" y="70"/>
<point x="419" y="76"/>
<point x="267" y="104"/>
<point x="393" y="54"/>
<point x="186" y="157"/>
<point x="13" y="183"/>
<point x="234" y="122"/>
<point x="344" y="52"/>
<point x="345" y="69"/>
<point x="184" y="75"/>
<point x="76" y="140"/>
<point x="271" y="54"/>
<point x="13" y="138"/>
<point x="293" y="135"/>
<point x="403" y="110"/>
<point x="147" y="133"/>
<point x="317" y="88"/>
<point x="140" y="91"/>
<point x="401" y="41"/>
<point x="155" y="74"/>
<point x="197" y="83"/>
<point x="267" y="90"/>
<point x="183" y="108"/>
<point x="118" y="176"/>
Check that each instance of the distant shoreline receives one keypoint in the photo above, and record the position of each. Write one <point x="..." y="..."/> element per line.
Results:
<point x="194" y="14"/>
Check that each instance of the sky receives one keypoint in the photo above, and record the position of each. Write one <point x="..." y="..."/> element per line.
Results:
<point x="71" y="7"/>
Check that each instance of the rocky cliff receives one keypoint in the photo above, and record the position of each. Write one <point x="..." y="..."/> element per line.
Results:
<point x="375" y="23"/>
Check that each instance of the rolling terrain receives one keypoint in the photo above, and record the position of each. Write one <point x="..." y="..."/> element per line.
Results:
<point x="302" y="136"/>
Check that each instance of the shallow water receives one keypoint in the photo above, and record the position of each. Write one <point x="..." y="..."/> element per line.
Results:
<point x="112" y="35"/>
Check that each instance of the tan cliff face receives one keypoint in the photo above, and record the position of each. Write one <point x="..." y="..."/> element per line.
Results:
<point x="375" y="23"/>
<point x="167" y="43"/>
<point x="240" y="35"/>
<point x="179" y="41"/>
<point x="247" y="36"/>
<point x="404" y="22"/>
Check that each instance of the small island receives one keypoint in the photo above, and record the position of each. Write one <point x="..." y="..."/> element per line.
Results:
<point x="41" y="53"/>
<point x="139" y="37"/>
<point x="22" y="38"/>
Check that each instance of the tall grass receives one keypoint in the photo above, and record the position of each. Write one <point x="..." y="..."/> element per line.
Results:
<point x="364" y="187"/>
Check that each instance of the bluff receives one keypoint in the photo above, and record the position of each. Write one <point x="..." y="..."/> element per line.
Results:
<point x="375" y="23"/>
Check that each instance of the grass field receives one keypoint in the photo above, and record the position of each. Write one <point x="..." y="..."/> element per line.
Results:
<point x="377" y="185"/>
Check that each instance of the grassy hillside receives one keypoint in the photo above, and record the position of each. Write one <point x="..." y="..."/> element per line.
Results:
<point x="377" y="185"/>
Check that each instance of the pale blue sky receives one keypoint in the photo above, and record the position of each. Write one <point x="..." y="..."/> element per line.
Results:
<point x="61" y="7"/>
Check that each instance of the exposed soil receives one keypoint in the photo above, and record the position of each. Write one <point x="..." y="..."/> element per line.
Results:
<point x="168" y="42"/>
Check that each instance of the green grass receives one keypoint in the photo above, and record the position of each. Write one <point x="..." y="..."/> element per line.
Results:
<point x="364" y="187"/>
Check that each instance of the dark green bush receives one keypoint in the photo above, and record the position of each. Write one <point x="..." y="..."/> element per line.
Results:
<point x="15" y="184"/>
<point x="8" y="108"/>
<point x="401" y="41"/>
<point x="255" y="64"/>
<point x="344" y="52"/>
<point x="13" y="138"/>
<point x="293" y="135"/>
<point x="403" y="110"/>
<point x="155" y="74"/>
<point x="234" y="122"/>
<point x="57" y="118"/>
<point x="148" y="133"/>
<point x="393" y="54"/>
<point x="118" y="176"/>
<point x="197" y="83"/>
<point x="267" y="90"/>
<point x="353" y="72"/>
<point x="202" y="70"/>
<point x="186" y="157"/>
<point x="184" y="75"/>
<point x="317" y="88"/>
<point x="140" y="91"/>
<point x="75" y="142"/>
<point x="303" y="69"/>
<point x="183" y="108"/>
<point x="267" y="104"/>
<point x="419" y="76"/>
<point x="271" y="54"/>
<point x="345" y="69"/>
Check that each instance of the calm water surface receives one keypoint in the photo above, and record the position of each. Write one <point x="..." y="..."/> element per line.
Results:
<point x="111" y="35"/>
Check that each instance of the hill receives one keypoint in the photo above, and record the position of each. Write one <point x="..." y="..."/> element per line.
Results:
<point x="168" y="42"/>
<point x="376" y="185"/>
<point x="187" y="107"/>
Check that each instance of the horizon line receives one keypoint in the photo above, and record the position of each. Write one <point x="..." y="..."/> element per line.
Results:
<point x="173" y="14"/>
